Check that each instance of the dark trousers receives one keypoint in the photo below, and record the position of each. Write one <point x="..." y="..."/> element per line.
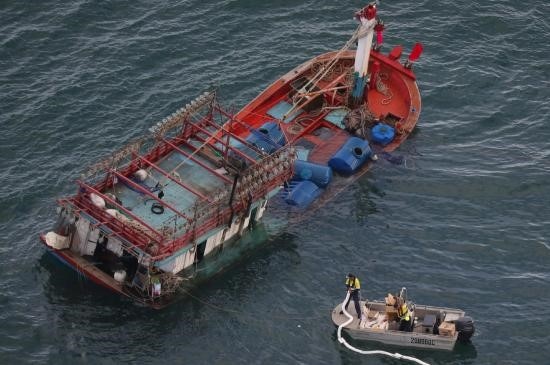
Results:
<point x="356" y="298"/>
<point x="405" y="325"/>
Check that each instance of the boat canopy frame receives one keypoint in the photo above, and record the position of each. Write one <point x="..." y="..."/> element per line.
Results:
<point x="243" y="184"/>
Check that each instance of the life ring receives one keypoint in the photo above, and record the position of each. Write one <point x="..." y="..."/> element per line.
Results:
<point x="157" y="208"/>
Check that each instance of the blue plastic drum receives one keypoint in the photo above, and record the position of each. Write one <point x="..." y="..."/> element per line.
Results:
<point x="302" y="193"/>
<point x="354" y="153"/>
<point x="318" y="174"/>
<point x="382" y="134"/>
<point x="268" y="138"/>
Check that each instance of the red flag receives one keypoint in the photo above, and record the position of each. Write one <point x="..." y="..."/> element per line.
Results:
<point x="416" y="52"/>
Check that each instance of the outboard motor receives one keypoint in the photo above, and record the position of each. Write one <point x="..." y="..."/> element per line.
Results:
<point x="465" y="327"/>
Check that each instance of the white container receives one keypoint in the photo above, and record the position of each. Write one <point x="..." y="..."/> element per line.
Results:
<point x="120" y="276"/>
<point x="97" y="201"/>
<point x="141" y="175"/>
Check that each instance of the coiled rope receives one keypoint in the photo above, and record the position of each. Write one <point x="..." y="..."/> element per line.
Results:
<point x="323" y="71"/>
<point x="383" y="88"/>
<point x="343" y="341"/>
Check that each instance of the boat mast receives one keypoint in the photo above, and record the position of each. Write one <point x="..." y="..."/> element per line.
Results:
<point x="367" y="18"/>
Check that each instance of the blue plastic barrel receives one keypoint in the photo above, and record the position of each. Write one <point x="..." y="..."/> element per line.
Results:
<point x="351" y="156"/>
<point x="301" y="193"/>
<point x="318" y="174"/>
<point x="382" y="134"/>
<point x="244" y="149"/>
<point x="269" y="137"/>
<point x="274" y="132"/>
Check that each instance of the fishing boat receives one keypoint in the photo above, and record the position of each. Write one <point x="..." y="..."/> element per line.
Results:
<point x="146" y="217"/>
<point x="339" y="109"/>
<point x="431" y="327"/>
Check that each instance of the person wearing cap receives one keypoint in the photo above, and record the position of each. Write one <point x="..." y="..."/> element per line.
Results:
<point x="354" y="286"/>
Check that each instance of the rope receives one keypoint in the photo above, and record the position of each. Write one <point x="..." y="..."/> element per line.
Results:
<point x="173" y="172"/>
<point x="322" y="73"/>
<point x="383" y="88"/>
<point x="245" y="314"/>
<point x="196" y="150"/>
<point x="374" y="352"/>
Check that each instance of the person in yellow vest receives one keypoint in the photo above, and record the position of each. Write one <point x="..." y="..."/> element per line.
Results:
<point x="403" y="314"/>
<point x="354" y="287"/>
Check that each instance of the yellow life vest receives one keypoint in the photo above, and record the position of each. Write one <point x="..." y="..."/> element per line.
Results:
<point x="354" y="283"/>
<point x="403" y="312"/>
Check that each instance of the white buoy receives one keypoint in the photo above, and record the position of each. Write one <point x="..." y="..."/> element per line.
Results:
<point x="112" y="212"/>
<point x="97" y="201"/>
<point x="141" y="175"/>
<point x="120" y="276"/>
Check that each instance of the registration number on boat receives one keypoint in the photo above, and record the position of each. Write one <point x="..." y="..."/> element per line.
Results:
<point x="423" y="341"/>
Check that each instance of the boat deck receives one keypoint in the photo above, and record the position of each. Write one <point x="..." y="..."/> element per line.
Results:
<point x="378" y="325"/>
<point x="194" y="176"/>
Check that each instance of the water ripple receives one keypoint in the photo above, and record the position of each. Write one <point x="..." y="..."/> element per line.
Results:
<point x="462" y="223"/>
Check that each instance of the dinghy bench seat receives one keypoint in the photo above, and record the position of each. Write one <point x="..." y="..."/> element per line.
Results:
<point x="428" y="323"/>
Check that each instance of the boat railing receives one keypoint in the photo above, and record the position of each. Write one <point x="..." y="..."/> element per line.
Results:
<point x="128" y="159"/>
<point x="125" y="232"/>
<point x="183" y="114"/>
<point x="158" y="132"/>
<point x="132" y="228"/>
<point x="253" y="183"/>
<point x="114" y="159"/>
<point x="257" y="181"/>
<point x="111" y="230"/>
